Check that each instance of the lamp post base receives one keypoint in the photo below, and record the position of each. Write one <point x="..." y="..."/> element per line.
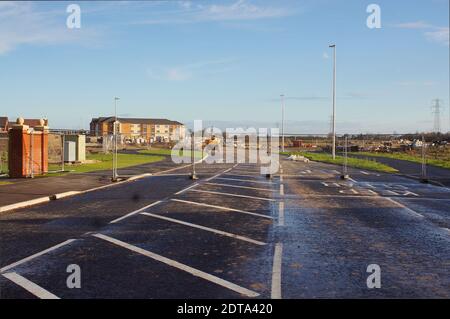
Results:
<point x="345" y="176"/>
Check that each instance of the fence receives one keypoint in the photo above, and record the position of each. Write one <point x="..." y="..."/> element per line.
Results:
<point x="3" y="153"/>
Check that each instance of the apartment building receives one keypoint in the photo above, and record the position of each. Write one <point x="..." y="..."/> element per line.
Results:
<point x="139" y="129"/>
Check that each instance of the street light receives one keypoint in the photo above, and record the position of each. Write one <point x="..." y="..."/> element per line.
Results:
<point x="334" y="101"/>
<point x="115" y="175"/>
<point x="282" y="122"/>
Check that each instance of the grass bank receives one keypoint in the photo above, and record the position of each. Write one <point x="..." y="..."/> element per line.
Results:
<point x="444" y="163"/>
<point x="352" y="162"/>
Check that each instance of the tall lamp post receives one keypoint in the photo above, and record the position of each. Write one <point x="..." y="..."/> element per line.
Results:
<point x="333" y="151"/>
<point x="115" y="175"/>
<point x="282" y="122"/>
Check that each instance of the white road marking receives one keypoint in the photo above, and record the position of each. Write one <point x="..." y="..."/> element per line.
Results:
<point x="212" y="230"/>
<point x="281" y="178"/>
<point x="235" y="195"/>
<point x="135" y="212"/>
<point x="281" y="214"/>
<point x="412" y="212"/>
<point x="372" y="192"/>
<point x="351" y="179"/>
<point x="238" y="186"/>
<point x="365" y="173"/>
<point x="29" y="286"/>
<point x="24" y="260"/>
<point x="281" y="189"/>
<point x="183" y="190"/>
<point x="308" y="171"/>
<point x="178" y="265"/>
<point x="276" y="271"/>
<point x="221" y="207"/>
<point x="243" y="175"/>
<point x="335" y="171"/>
<point x="217" y="175"/>
<point x="244" y="180"/>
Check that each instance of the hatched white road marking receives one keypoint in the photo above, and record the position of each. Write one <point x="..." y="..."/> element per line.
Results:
<point x="29" y="286"/>
<point x="24" y="260"/>
<point x="281" y="190"/>
<point x="409" y="210"/>
<point x="183" y="190"/>
<point x="221" y="207"/>
<point x="276" y="271"/>
<point x="238" y="186"/>
<point x="135" y="212"/>
<point x="244" y="180"/>
<point x="178" y="265"/>
<point x="212" y="230"/>
<point x="217" y="175"/>
<point x="230" y="194"/>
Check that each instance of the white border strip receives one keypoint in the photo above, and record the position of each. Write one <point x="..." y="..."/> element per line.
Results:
<point x="276" y="271"/>
<point x="180" y="266"/>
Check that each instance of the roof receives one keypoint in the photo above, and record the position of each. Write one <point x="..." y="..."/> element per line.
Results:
<point x="32" y="122"/>
<point x="137" y="120"/>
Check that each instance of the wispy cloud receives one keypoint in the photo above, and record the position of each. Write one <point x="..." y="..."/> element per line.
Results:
<point x="193" y="12"/>
<point x="21" y="23"/>
<point x="189" y="71"/>
<point x="431" y="32"/>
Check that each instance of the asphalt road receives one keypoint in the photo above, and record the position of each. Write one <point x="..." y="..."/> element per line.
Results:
<point x="234" y="234"/>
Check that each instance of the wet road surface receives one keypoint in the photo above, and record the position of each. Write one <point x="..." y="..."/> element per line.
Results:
<point x="234" y="234"/>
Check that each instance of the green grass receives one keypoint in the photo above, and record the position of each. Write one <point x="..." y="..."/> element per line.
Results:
<point x="123" y="160"/>
<point x="168" y="152"/>
<point x="351" y="162"/>
<point x="408" y="157"/>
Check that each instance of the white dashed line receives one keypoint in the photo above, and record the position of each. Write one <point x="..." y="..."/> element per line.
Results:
<point x="24" y="260"/>
<point x="276" y="271"/>
<point x="234" y="195"/>
<point x="212" y="230"/>
<point x="281" y="214"/>
<point x="29" y="286"/>
<point x="281" y="190"/>
<point x="178" y="265"/>
<point x="221" y="207"/>
<point x="135" y="212"/>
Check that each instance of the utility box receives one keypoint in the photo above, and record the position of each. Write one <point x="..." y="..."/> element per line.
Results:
<point x="80" y="146"/>
<point x="69" y="151"/>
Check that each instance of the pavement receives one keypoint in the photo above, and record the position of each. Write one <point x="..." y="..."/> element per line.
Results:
<point x="439" y="175"/>
<point x="21" y="190"/>
<point x="234" y="233"/>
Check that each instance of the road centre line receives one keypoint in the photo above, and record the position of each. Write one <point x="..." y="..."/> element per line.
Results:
<point x="29" y="286"/>
<point x="135" y="212"/>
<point x="281" y="214"/>
<point x="180" y="266"/>
<point x="24" y="260"/>
<point x="185" y="189"/>
<point x="212" y="230"/>
<point x="281" y="189"/>
<point x="276" y="271"/>
<point x="221" y="207"/>
<point x="244" y="180"/>
<point x="238" y="186"/>
<point x="230" y="194"/>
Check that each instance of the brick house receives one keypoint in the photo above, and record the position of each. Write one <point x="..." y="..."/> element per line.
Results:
<point x="4" y="124"/>
<point x="134" y="129"/>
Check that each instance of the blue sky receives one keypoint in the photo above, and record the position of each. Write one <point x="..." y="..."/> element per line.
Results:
<point x="228" y="61"/>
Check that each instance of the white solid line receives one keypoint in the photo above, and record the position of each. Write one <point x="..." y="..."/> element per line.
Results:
<point x="178" y="265"/>
<point x="24" y="204"/>
<point x="24" y="260"/>
<point x="281" y="214"/>
<point x="244" y="180"/>
<point x="183" y="190"/>
<point x="351" y="179"/>
<point x="134" y="212"/>
<point x="276" y="271"/>
<point x="217" y="175"/>
<point x="213" y="230"/>
<point x="221" y="207"/>
<point x="282" y="189"/>
<point x="238" y="186"/>
<point x="235" y="195"/>
<point x="365" y="173"/>
<point x="30" y="286"/>
<point x="281" y="178"/>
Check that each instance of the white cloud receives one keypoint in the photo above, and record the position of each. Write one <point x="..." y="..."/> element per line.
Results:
<point x="434" y="33"/>
<point x="21" y="23"/>
<point x="325" y="56"/>
<point x="188" y="71"/>
<point x="191" y="12"/>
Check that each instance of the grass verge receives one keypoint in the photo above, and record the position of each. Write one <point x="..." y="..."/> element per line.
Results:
<point x="352" y="162"/>
<point x="408" y="157"/>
